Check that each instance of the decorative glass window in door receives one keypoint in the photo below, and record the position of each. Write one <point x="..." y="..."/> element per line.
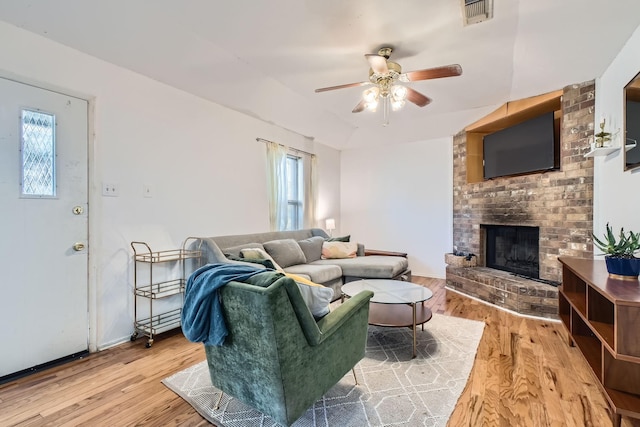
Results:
<point x="38" y="154"/>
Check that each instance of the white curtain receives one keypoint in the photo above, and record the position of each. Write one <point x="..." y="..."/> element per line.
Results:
<point x="310" y="193"/>
<point x="277" y="185"/>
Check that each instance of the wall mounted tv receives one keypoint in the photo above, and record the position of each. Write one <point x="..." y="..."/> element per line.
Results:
<point x="528" y="147"/>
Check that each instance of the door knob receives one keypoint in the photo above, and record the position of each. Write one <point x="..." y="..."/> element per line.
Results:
<point x="78" y="246"/>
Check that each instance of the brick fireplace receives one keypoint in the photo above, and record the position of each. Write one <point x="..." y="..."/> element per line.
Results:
<point x="558" y="203"/>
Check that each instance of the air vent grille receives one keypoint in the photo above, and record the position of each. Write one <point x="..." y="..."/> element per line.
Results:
<point x="474" y="11"/>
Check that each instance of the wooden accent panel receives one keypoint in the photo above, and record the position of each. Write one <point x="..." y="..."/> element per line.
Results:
<point x="509" y="114"/>
<point x="475" y="166"/>
<point x="515" y="112"/>
<point x="627" y="337"/>
<point x="621" y="375"/>
<point x="632" y="90"/>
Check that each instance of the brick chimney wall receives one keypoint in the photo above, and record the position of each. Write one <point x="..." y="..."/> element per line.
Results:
<point x="559" y="202"/>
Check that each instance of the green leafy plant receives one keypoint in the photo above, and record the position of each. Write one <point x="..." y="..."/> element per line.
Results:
<point x="622" y="247"/>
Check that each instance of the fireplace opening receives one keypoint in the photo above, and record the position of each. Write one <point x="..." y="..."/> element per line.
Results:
<point x="513" y="249"/>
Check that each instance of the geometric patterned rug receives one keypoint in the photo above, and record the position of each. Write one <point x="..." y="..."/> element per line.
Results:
<point x="393" y="389"/>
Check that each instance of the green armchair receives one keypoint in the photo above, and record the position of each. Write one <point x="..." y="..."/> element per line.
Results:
<point x="277" y="358"/>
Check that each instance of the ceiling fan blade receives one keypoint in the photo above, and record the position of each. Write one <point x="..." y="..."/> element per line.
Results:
<point x="378" y="63"/>
<point x="417" y="98"/>
<point x="324" y="89"/>
<point x="433" y="73"/>
<point x="359" y="107"/>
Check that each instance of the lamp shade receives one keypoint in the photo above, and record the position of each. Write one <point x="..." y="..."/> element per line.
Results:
<point x="330" y="224"/>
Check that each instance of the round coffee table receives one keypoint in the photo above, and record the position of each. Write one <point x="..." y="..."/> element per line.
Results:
<point x="394" y="304"/>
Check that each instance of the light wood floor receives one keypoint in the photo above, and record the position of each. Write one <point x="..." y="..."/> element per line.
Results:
<point x="525" y="374"/>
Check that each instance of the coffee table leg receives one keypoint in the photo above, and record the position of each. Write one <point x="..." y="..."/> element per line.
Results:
<point x="413" y="306"/>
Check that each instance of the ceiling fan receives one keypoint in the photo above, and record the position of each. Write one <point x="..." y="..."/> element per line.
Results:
<point x="384" y="75"/>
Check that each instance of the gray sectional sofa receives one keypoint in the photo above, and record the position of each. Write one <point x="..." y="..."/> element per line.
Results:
<point x="299" y="252"/>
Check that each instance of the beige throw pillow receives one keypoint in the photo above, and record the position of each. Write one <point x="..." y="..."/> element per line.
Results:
<point x="259" y="253"/>
<point x="335" y="250"/>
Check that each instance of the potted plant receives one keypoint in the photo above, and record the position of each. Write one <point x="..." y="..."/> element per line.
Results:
<point x="619" y="253"/>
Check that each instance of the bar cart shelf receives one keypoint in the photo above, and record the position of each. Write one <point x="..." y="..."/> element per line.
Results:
<point x="172" y="266"/>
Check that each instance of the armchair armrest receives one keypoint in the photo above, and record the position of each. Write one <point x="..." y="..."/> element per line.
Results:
<point x="342" y="314"/>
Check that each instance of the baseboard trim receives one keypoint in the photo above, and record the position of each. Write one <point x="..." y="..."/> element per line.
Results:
<point x="38" y="368"/>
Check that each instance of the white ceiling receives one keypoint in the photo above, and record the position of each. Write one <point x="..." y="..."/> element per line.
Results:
<point x="266" y="58"/>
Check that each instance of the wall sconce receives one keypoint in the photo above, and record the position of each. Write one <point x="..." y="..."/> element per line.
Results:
<point x="330" y="225"/>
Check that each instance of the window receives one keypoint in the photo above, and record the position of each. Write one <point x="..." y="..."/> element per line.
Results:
<point x="291" y="187"/>
<point x="295" y="192"/>
<point x="38" y="151"/>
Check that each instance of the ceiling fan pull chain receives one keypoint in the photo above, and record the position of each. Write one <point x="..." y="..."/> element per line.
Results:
<point x="385" y="111"/>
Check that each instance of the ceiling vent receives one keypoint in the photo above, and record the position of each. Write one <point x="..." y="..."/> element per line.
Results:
<point x="474" y="11"/>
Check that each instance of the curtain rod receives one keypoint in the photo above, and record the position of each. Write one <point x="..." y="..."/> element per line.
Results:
<point x="282" y="145"/>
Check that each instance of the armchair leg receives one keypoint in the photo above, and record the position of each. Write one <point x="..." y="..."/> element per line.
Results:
<point x="353" y="371"/>
<point x="218" y="402"/>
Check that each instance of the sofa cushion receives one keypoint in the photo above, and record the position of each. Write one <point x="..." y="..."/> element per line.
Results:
<point x="337" y="250"/>
<point x="373" y="267"/>
<point x="285" y="252"/>
<point x="312" y="247"/>
<point x="235" y="250"/>
<point x="319" y="273"/>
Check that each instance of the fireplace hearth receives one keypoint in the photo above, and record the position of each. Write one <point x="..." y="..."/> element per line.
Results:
<point x="513" y="249"/>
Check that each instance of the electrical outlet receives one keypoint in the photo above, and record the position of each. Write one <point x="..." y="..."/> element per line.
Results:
<point x="110" y="189"/>
<point x="147" y="191"/>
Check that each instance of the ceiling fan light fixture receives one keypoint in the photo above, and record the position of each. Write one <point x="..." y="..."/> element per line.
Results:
<point x="397" y="104"/>
<point x="399" y="92"/>
<point x="385" y="76"/>
<point x="371" y="95"/>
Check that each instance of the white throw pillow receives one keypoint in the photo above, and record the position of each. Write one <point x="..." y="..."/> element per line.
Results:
<point x="317" y="297"/>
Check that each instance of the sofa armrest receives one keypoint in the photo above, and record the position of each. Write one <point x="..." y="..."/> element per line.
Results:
<point x="386" y="253"/>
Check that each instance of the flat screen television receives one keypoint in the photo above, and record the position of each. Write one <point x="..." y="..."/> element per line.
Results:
<point x="528" y="147"/>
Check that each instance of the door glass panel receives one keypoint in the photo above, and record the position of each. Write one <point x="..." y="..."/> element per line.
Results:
<point x="38" y="154"/>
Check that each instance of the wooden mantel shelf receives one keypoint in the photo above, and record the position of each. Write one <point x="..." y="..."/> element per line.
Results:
<point x="510" y="114"/>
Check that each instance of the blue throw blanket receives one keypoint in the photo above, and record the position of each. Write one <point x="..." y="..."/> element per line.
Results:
<point x="202" y="319"/>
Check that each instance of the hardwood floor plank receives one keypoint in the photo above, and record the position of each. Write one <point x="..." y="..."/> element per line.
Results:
<point x="524" y="374"/>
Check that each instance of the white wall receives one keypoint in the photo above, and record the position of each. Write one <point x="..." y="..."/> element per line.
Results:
<point x="616" y="194"/>
<point x="202" y="161"/>
<point x="400" y="198"/>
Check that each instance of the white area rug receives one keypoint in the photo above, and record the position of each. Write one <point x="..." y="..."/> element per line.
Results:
<point x="393" y="388"/>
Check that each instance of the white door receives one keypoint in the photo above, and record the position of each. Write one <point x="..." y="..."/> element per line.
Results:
<point x="43" y="226"/>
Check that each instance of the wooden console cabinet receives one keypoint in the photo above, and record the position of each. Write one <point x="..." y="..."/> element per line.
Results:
<point x="602" y="316"/>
